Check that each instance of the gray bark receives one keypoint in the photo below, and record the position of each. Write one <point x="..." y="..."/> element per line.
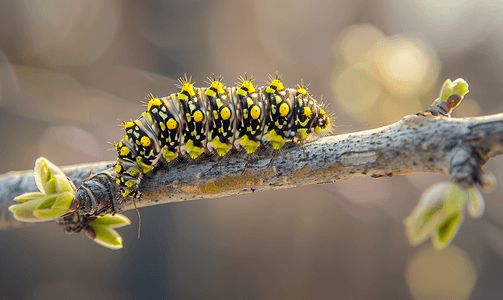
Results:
<point x="455" y="146"/>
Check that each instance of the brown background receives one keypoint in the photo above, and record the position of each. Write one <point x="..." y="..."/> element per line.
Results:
<point x="69" y="69"/>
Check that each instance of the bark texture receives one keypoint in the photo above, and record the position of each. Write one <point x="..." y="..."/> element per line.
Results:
<point x="455" y="146"/>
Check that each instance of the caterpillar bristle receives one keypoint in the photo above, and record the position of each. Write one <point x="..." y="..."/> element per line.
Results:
<point x="242" y="79"/>
<point x="184" y="80"/>
<point x="213" y="78"/>
<point x="271" y="78"/>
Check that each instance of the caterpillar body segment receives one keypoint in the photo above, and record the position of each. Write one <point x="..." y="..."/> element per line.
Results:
<point x="251" y="112"/>
<point x="215" y="119"/>
<point x="222" y="121"/>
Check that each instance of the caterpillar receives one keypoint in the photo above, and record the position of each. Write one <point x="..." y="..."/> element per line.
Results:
<point x="216" y="119"/>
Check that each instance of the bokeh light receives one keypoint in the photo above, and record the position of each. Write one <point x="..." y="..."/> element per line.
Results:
<point x="448" y="274"/>
<point x="71" y="71"/>
<point x="382" y="77"/>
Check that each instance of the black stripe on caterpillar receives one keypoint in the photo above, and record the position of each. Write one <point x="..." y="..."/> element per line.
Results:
<point x="216" y="119"/>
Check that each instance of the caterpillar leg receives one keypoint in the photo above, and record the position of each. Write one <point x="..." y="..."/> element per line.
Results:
<point x="270" y="162"/>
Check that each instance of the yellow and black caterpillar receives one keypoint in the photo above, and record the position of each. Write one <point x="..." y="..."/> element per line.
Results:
<point x="215" y="119"/>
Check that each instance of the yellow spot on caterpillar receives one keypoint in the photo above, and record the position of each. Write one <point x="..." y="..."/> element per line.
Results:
<point x="225" y="113"/>
<point x="255" y="112"/>
<point x="198" y="116"/>
<point x="118" y="168"/>
<point x="145" y="168"/>
<point x="284" y="109"/>
<point x="124" y="151"/>
<point x="125" y="192"/>
<point x="210" y="93"/>
<point x="172" y="124"/>
<point x="302" y="133"/>
<point x="187" y="89"/>
<point x="133" y="172"/>
<point x="148" y="116"/>
<point x="249" y="145"/>
<point x="221" y="148"/>
<point x="302" y="91"/>
<point x="145" y="141"/>
<point x="317" y="129"/>
<point x="128" y="125"/>
<point x="154" y="102"/>
<point x="275" y="86"/>
<point x="246" y="87"/>
<point x="194" y="151"/>
<point x="276" y="140"/>
<point x="168" y="155"/>
<point x="130" y="183"/>
<point x="216" y="87"/>
<point x="307" y="112"/>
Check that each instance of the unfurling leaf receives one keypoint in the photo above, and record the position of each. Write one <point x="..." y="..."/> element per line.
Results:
<point x="49" y="178"/>
<point x="102" y="230"/>
<point x="438" y="215"/>
<point x="53" y="200"/>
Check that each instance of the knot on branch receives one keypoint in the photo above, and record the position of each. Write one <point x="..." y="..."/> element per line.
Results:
<point x="466" y="169"/>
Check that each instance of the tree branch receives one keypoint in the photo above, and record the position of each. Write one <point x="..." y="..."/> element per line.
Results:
<point x="459" y="147"/>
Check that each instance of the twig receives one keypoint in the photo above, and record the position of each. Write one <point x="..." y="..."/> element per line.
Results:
<point x="414" y="144"/>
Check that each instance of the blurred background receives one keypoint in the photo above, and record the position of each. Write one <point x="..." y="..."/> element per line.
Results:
<point x="69" y="69"/>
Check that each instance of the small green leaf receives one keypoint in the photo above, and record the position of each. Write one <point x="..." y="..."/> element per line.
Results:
<point x="447" y="230"/>
<point x="460" y="87"/>
<point x="48" y="202"/>
<point x="425" y="216"/>
<point x="476" y="205"/>
<point x="456" y="87"/>
<point x="28" y="197"/>
<point x="63" y="185"/>
<point x="116" y="221"/>
<point x="455" y="197"/>
<point x="46" y="210"/>
<point x="108" y="238"/>
<point x="420" y="226"/>
<point x="43" y="176"/>
<point x="24" y="211"/>
<point x="438" y="215"/>
<point x="49" y="178"/>
<point x="48" y="214"/>
<point x="446" y="90"/>
<point x="63" y="201"/>
<point x="102" y="230"/>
